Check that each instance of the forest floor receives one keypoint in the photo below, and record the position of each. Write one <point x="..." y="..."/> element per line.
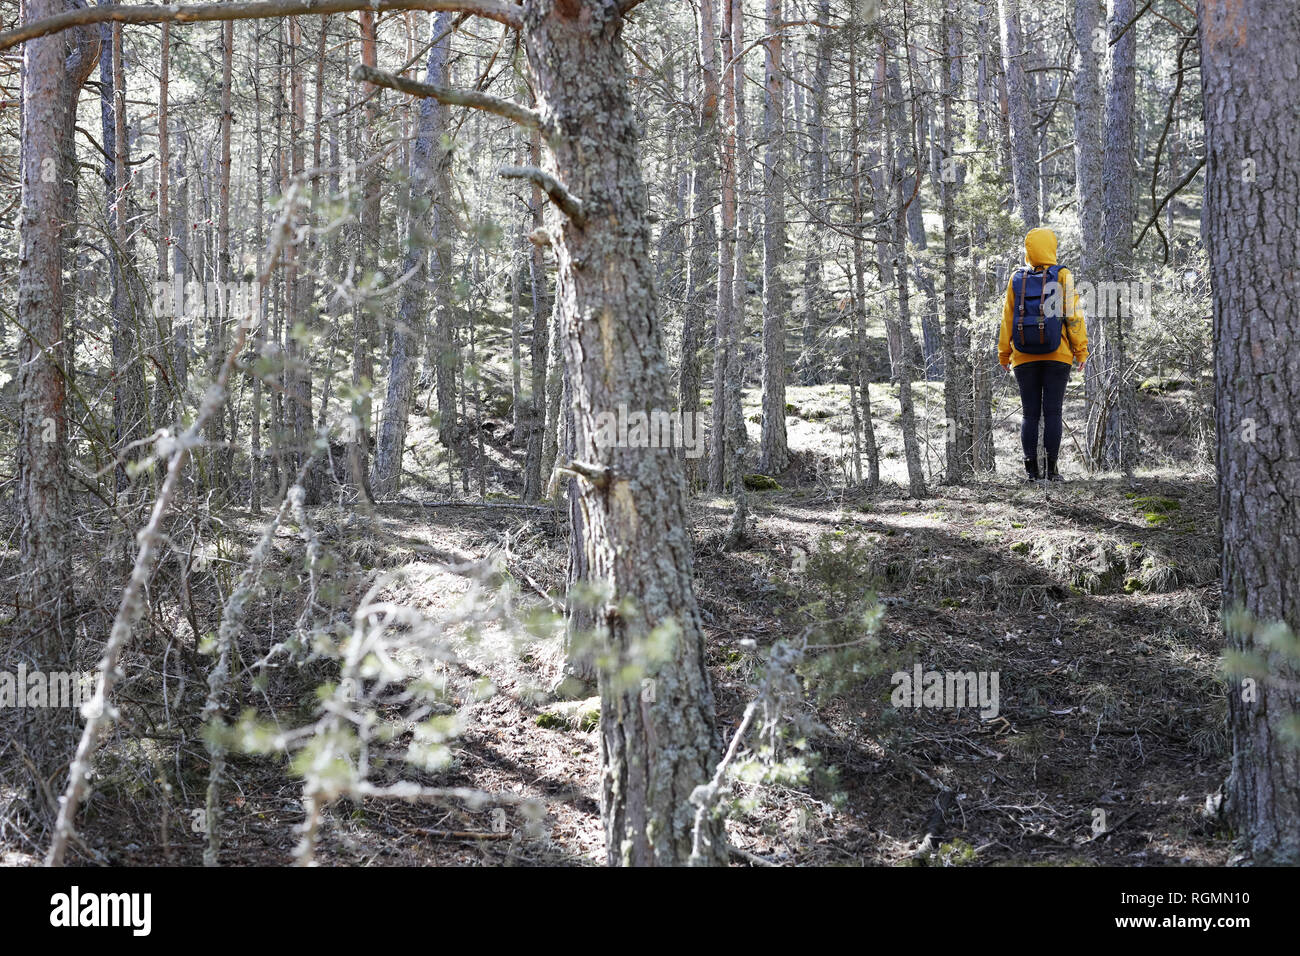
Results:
<point x="1095" y="601"/>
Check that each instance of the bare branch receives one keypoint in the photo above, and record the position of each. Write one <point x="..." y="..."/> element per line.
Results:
<point x="1155" y="213"/>
<point x="479" y="101"/>
<point x="568" y="204"/>
<point x="150" y="540"/>
<point x="502" y="11"/>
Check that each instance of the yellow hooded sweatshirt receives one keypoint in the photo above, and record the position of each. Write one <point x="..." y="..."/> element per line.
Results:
<point x="1040" y="250"/>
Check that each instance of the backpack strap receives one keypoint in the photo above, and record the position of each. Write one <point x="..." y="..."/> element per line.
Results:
<point x="1021" y="302"/>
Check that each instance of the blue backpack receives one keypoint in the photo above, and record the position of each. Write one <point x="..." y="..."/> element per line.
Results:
<point x="1035" y="330"/>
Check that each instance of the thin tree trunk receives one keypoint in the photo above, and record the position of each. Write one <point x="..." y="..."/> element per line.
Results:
<point x="1119" y="447"/>
<point x="701" y="278"/>
<point x="984" y="326"/>
<point x="886" y="119"/>
<point x="259" y="334"/>
<point x="428" y="156"/>
<point x="773" y="453"/>
<point x="727" y="316"/>
<point x="1089" y="15"/>
<point x="958" y="438"/>
<point x="127" y="375"/>
<point x="1024" y="151"/>
<point x="811" y="364"/>
<point x="368" y="263"/>
<point x="539" y="346"/>
<point x="858" y="362"/>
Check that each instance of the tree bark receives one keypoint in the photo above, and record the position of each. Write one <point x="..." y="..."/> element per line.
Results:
<point x="1089" y="181"/>
<point x="1024" y="159"/>
<point x="860" y="385"/>
<point x="50" y="87"/>
<point x="958" y="438"/>
<point x="1250" y="60"/>
<point x="1119" y="443"/>
<point x="700" y="283"/>
<point x="773" y="454"/>
<point x="887" y="122"/>
<point x="656" y="747"/>
<point x="811" y="364"/>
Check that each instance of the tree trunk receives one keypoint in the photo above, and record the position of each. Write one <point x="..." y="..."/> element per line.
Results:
<point x="217" y="346"/>
<point x="368" y="263"/>
<point x="886" y="121"/>
<point x="1119" y="445"/>
<point x="773" y="455"/>
<point x="657" y="739"/>
<point x="704" y="235"/>
<point x="428" y="156"/>
<point x="736" y="438"/>
<point x="984" y="325"/>
<point x="1024" y="150"/>
<point x="958" y="440"/>
<point x="858" y="377"/>
<point x="1250" y="59"/>
<point x="127" y="374"/>
<point x="1089" y="15"/>
<point x="539" y="347"/>
<point x="811" y="364"/>
<point x="50" y="88"/>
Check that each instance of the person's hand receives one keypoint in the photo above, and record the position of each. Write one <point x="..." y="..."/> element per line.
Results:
<point x="1006" y="366"/>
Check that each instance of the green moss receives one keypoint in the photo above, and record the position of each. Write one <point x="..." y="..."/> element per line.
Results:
<point x="1161" y="384"/>
<point x="955" y="853"/>
<point x="761" y="483"/>
<point x="581" y="715"/>
<point x="1154" y="503"/>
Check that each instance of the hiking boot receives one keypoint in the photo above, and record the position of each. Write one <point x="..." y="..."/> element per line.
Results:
<point x="1031" y="469"/>
<point x="1052" y="473"/>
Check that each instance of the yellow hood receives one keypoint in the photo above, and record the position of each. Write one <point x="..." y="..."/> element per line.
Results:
<point x="1040" y="247"/>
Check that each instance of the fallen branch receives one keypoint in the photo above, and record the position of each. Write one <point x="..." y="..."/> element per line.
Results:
<point x="469" y="835"/>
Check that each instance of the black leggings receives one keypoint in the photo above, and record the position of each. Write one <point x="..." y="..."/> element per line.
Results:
<point x="1042" y="394"/>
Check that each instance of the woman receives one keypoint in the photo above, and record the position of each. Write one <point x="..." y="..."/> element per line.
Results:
<point x="1041" y="369"/>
